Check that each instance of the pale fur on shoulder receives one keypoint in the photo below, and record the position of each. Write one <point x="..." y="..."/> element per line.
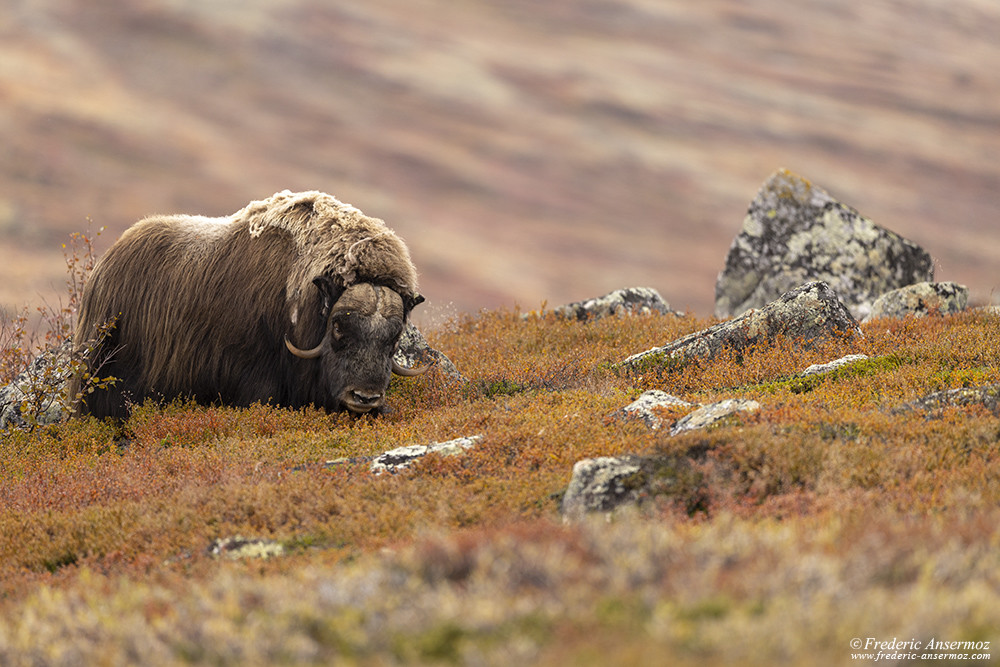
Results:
<point x="332" y="238"/>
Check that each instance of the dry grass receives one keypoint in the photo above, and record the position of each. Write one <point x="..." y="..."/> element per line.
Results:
<point x="824" y="517"/>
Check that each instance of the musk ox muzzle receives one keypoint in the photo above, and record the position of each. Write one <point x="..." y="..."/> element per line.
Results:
<point x="363" y="329"/>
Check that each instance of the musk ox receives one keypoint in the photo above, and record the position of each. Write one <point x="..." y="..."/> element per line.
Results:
<point x="215" y="308"/>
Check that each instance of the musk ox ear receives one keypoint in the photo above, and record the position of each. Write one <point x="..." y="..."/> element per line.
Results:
<point x="411" y="302"/>
<point x="330" y="291"/>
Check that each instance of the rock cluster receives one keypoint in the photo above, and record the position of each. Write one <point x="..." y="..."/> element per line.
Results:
<point x="604" y="483"/>
<point x="809" y="313"/>
<point x="795" y="232"/>
<point x="627" y="301"/>
<point x="397" y="459"/>
<point x="647" y="408"/>
<point x="804" y="266"/>
<point x="920" y="300"/>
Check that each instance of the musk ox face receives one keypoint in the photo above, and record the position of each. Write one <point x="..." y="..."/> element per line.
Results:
<point x="364" y="323"/>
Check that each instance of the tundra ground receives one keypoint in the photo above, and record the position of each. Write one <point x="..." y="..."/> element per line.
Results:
<point x="824" y="518"/>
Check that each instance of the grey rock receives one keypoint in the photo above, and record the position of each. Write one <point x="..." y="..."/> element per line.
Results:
<point x="606" y="483"/>
<point x="987" y="397"/>
<point x="414" y="351"/>
<point x="921" y="299"/>
<point x="627" y="301"/>
<point x="38" y="395"/>
<point x="601" y="484"/>
<point x="240" y="548"/>
<point x="340" y="461"/>
<point x="713" y="413"/>
<point x="401" y="457"/>
<point x="644" y="408"/>
<point x="795" y="232"/>
<point x="808" y="313"/>
<point x="819" y="369"/>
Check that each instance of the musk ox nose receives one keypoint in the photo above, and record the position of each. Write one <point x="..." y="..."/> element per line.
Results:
<point x="362" y="401"/>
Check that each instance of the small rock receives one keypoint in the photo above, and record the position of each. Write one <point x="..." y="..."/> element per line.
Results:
<point x="401" y="457"/>
<point x="606" y="483"/>
<point x="414" y="351"/>
<point x="988" y="397"/>
<point x="340" y="461"/>
<point x="627" y="301"/>
<point x="644" y="407"/>
<point x="795" y="232"/>
<point x="41" y="388"/>
<point x="808" y="313"/>
<point x="239" y="547"/>
<point x="920" y="300"/>
<point x="819" y="369"/>
<point x="601" y="484"/>
<point x="713" y="413"/>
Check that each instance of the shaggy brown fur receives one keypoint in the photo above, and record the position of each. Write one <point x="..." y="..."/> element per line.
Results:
<point x="202" y="305"/>
<point x="333" y="239"/>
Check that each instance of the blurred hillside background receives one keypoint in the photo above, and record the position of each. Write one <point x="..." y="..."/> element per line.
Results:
<point x="526" y="151"/>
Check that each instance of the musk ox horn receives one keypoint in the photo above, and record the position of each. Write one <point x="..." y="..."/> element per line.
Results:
<point x="314" y="353"/>
<point x="408" y="372"/>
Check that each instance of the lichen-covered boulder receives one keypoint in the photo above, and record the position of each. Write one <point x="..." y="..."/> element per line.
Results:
<point x="38" y="395"/>
<point x="713" y="413"/>
<point x="808" y="313"/>
<point x="645" y="407"/>
<point x="601" y="484"/>
<point x="987" y="397"/>
<point x="795" y="232"/>
<point x="921" y="299"/>
<point x="627" y="301"/>
<point x="397" y="459"/>
<point x="606" y="483"/>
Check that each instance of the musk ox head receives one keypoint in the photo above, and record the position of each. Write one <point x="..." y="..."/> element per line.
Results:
<point x="364" y="323"/>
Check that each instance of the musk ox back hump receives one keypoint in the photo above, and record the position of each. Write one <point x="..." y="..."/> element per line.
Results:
<point x="202" y="306"/>
<point x="334" y="239"/>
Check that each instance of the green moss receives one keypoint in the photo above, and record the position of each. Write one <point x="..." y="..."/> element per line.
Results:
<point x="949" y="376"/>
<point x="862" y="368"/>
<point x="711" y="608"/>
<point x="501" y="387"/>
<point x="621" y="612"/>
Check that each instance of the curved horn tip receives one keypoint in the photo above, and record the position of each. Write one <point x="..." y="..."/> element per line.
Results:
<point x="314" y="353"/>
<point x="403" y="371"/>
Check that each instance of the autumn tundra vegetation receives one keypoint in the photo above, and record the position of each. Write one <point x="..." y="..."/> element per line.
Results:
<point x="839" y="516"/>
